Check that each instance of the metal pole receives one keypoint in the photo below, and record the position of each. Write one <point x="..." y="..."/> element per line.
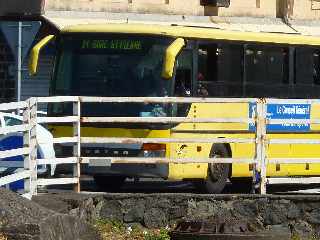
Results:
<point x="19" y="61"/>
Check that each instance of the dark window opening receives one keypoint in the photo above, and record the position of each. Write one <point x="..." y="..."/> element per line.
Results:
<point x="220" y="71"/>
<point x="307" y="73"/>
<point x="266" y="72"/>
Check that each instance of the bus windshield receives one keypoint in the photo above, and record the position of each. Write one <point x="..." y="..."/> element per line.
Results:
<point x="112" y="66"/>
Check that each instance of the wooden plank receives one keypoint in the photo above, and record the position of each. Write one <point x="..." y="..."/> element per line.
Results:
<point x="14" y="177"/>
<point x="66" y="119"/>
<point x="101" y="140"/>
<point x="57" y="99"/>
<point x="164" y="100"/>
<point x="289" y="180"/>
<point x="68" y="160"/>
<point x="293" y="141"/>
<point x="14" y="129"/>
<point x="65" y="140"/>
<point x="14" y="152"/>
<point x="291" y="101"/>
<point x="27" y="195"/>
<point x="142" y="160"/>
<point x="293" y="160"/>
<point x="293" y="121"/>
<point x="165" y="120"/>
<point x="13" y="106"/>
<point x="56" y="181"/>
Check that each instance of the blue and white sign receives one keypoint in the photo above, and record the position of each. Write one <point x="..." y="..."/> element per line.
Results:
<point x="284" y="111"/>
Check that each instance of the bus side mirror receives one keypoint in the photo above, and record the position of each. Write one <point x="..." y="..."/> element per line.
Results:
<point x="35" y="52"/>
<point x="170" y="57"/>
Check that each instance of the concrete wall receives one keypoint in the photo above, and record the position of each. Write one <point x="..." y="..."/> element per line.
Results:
<point x="304" y="9"/>
<point x="259" y="8"/>
<point x="296" y="9"/>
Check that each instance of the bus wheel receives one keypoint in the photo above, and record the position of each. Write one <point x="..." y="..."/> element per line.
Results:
<point x="217" y="173"/>
<point x="109" y="183"/>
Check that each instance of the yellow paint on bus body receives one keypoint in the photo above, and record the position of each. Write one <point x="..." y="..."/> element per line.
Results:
<point x="225" y="110"/>
<point x="201" y="130"/>
<point x="193" y="32"/>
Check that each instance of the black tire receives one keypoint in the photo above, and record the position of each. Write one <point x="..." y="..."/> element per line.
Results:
<point x="218" y="174"/>
<point x="109" y="183"/>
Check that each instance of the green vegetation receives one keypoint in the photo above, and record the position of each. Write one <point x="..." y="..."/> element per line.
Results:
<point x="114" y="230"/>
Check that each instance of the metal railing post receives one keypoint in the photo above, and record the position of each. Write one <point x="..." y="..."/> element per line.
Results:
<point x="30" y="141"/>
<point x="261" y="144"/>
<point x="77" y="146"/>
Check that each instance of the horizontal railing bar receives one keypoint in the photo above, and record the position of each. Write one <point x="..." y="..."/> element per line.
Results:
<point x="302" y="180"/>
<point x="58" y="160"/>
<point x="56" y="181"/>
<point x="66" y="119"/>
<point x="12" y="164"/>
<point x="165" y="140"/>
<point x="13" y="106"/>
<point x="292" y="160"/>
<point x="291" y="101"/>
<point x="293" y="141"/>
<point x="14" y="177"/>
<point x="14" y="129"/>
<point x="143" y="160"/>
<point x="163" y="120"/>
<point x="27" y="195"/>
<point x="57" y="99"/>
<point x="65" y="140"/>
<point x="164" y="100"/>
<point x="14" y="152"/>
<point x="292" y="121"/>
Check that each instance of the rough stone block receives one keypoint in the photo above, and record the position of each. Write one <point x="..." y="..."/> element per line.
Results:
<point x="23" y="219"/>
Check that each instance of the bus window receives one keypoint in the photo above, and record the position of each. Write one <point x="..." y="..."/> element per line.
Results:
<point x="183" y="79"/>
<point x="266" y="71"/>
<point x="220" y="70"/>
<point x="307" y="73"/>
<point x="183" y="82"/>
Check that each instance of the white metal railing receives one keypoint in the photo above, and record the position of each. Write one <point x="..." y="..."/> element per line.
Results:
<point x="260" y="140"/>
<point x="28" y="150"/>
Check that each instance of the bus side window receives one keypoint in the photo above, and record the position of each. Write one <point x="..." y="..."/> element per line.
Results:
<point x="266" y="71"/>
<point x="220" y="69"/>
<point x="316" y="67"/>
<point x="183" y="78"/>
<point x="307" y="73"/>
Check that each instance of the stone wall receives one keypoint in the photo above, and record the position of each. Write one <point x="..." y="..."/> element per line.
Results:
<point x="247" y="214"/>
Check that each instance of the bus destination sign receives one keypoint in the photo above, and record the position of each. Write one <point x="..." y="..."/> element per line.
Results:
<point x="284" y="111"/>
<point x="114" y="44"/>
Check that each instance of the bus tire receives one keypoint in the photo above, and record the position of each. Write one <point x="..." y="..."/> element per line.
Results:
<point x="109" y="183"/>
<point x="218" y="174"/>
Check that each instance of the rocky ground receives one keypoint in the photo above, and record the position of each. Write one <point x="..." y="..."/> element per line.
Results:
<point x="284" y="216"/>
<point x="71" y="216"/>
<point x="22" y="219"/>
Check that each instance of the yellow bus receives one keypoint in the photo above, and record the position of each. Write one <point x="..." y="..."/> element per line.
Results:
<point x="131" y="59"/>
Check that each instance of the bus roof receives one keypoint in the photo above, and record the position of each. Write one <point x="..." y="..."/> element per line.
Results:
<point x="233" y="28"/>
